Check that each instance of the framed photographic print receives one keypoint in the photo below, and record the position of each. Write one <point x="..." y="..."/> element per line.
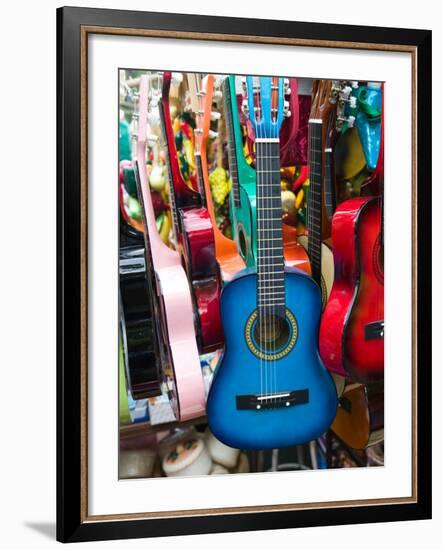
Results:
<point x="241" y="205"/>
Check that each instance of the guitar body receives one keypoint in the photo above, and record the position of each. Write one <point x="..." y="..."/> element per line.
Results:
<point x="360" y="416"/>
<point x="198" y="253"/>
<point x="352" y="326"/>
<point x="327" y="268"/>
<point x="244" y="223"/>
<point x="174" y="318"/>
<point x="139" y="342"/>
<point x="242" y="373"/>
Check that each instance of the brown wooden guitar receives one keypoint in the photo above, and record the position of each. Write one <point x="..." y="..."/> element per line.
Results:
<point x="360" y="416"/>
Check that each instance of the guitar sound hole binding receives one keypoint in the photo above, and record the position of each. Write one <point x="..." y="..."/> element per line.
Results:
<point x="280" y="400"/>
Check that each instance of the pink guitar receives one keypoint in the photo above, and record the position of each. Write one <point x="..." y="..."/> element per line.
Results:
<point x="172" y="301"/>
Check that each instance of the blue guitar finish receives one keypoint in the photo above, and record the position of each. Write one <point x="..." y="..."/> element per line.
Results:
<point x="239" y="372"/>
<point x="368" y="121"/>
<point x="270" y="388"/>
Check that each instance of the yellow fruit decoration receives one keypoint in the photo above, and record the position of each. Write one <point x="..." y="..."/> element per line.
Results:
<point x="299" y="199"/>
<point x="165" y="228"/>
<point x="220" y="185"/>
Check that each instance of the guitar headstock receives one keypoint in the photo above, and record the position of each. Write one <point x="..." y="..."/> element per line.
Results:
<point x="265" y="105"/>
<point x="324" y="98"/>
<point x="201" y="93"/>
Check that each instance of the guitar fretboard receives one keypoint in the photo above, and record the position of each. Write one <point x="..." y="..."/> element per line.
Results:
<point x="200" y="180"/>
<point x="330" y="202"/>
<point x="232" y="157"/>
<point x="270" y="262"/>
<point x="315" y="198"/>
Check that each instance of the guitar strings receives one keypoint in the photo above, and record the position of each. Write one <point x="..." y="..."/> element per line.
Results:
<point x="270" y="214"/>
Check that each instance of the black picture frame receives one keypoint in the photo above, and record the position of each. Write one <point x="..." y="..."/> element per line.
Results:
<point x="71" y="522"/>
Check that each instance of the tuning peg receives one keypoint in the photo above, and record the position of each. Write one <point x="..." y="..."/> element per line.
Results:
<point x="215" y="115"/>
<point x="212" y="134"/>
<point x="286" y="86"/>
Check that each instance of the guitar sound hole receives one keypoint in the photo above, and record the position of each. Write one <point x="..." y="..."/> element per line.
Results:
<point x="272" y="333"/>
<point x="242" y="243"/>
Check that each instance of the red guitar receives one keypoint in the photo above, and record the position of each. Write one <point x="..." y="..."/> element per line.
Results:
<point x="194" y="237"/>
<point x="352" y="326"/>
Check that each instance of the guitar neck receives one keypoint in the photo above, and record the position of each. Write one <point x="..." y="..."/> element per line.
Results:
<point x="172" y="187"/>
<point x="314" y="221"/>
<point x="329" y="176"/>
<point x="200" y="178"/>
<point x="270" y="262"/>
<point x="232" y="157"/>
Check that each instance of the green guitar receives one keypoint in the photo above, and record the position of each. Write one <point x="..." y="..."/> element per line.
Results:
<point x="243" y="194"/>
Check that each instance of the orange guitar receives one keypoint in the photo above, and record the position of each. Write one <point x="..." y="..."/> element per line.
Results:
<point x="201" y="93"/>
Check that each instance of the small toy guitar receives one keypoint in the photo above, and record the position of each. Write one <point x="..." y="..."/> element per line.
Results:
<point x="201" y="93"/>
<point x="194" y="238"/>
<point x="172" y="301"/>
<point x="270" y="388"/>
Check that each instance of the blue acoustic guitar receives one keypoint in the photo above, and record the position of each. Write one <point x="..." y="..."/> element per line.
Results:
<point x="270" y="388"/>
<point x="243" y="195"/>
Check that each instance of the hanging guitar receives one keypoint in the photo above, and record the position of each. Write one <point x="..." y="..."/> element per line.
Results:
<point x="201" y="95"/>
<point x="318" y="224"/>
<point x="172" y="302"/>
<point x="360" y="415"/>
<point x="139" y="343"/>
<point x="194" y="238"/>
<point x="270" y="388"/>
<point x="352" y="327"/>
<point x="242" y="199"/>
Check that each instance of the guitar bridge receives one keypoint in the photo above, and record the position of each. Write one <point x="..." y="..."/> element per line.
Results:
<point x="375" y="330"/>
<point x="280" y="400"/>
